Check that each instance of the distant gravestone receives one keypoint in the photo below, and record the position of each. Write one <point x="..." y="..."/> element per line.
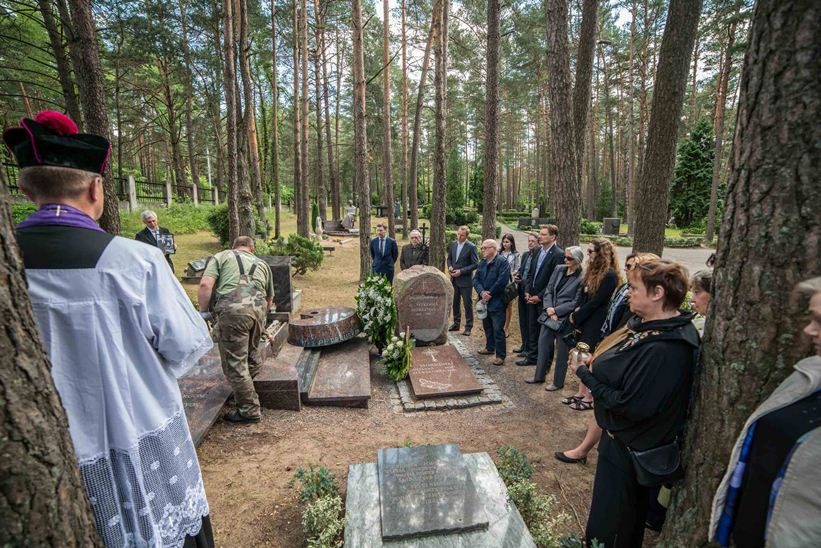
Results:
<point x="423" y="299"/>
<point x="427" y="490"/>
<point x="611" y="226"/>
<point x="441" y="371"/>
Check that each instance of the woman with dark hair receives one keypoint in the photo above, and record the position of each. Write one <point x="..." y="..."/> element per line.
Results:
<point x="509" y="253"/>
<point x="641" y="377"/>
<point x="600" y="279"/>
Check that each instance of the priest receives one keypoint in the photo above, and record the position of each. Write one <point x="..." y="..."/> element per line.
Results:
<point x="118" y="329"/>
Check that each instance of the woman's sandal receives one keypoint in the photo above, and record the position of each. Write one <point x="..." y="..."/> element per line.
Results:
<point x="581" y="405"/>
<point x="571" y="399"/>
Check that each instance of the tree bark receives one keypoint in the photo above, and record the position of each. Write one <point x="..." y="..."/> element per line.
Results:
<point x="438" y="201"/>
<point x="668" y="96"/>
<point x="189" y="97"/>
<point x="770" y="240"/>
<point x="630" y="207"/>
<point x="229" y="83"/>
<point x="275" y="123"/>
<point x="42" y="495"/>
<point x="417" y="121"/>
<point x="608" y="115"/>
<point x="404" y="123"/>
<point x="386" y="117"/>
<point x="333" y="175"/>
<point x="718" y="124"/>
<point x="304" y="221"/>
<point x="361" y="143"/>
<point x="584" y="77"/>
<point x="489" y="196"/>
<point x="296" y="107"/>
<point x="62" y="61"/>
<point x="83" y="40"/>
<point x="319" y="176"/>
<point x="562" y="152"/>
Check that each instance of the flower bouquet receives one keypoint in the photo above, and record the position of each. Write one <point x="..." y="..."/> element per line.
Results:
<point x="398" y="358"/>
<point x="376" y="310"/>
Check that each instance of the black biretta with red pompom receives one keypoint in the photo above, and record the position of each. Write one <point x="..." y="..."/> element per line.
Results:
<point x="52" y="139"/>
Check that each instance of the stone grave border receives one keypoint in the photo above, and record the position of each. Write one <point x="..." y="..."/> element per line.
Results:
<point x="491" y="394"/>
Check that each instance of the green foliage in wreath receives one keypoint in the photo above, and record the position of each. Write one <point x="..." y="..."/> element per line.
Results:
<point x="376" y="310"/>
<point x="398" y="357"/>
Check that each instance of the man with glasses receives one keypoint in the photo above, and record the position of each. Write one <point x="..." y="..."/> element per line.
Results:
<point x="491" y="277"/>
<point x="546" y="259"/>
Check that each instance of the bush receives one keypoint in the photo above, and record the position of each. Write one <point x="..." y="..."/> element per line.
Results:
<point x="179" y="218"/>
<point x="590" y="227"/>
<point x="316" y="483"/>
<point x="513" y="465"/>
<point x="21" y="210"/>
<point x="450" y="235"/>
<point x="624" y="241"/>
<point x="322" y="523"/>
<point x="218" y="222"/>
<point x="477" y="229"/>
<point x="307" y="254"/>
<point x="540" y="512"/>
<point x="455" y="216"/>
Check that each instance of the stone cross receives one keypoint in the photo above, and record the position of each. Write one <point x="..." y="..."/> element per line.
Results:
<point x="431" y="354"/>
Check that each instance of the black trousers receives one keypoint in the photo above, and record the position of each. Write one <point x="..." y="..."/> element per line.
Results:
<point x="549" y="341"/>
<point x="524" y="324"/>
<point x="465" y="295"/>
<point x="533" y="330"/>
<point x="204" y="537"/>
<point x="619" y="506"/>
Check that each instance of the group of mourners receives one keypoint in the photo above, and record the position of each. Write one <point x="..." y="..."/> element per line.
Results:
<point x="119" y="330"/>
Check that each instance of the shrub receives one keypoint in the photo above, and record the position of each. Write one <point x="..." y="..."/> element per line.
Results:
<point x="179" y="218"/>
<point x="218" y="222"/>
<point x="590" y="227"/>
<point x="307" y="254"/>
<point x="540" y="512"/>
<point x="477" y="229"/>
<point x="475" y="237"/>
<point x="322" y="523"/>
<point x="21" y="210"/>
<point x="513" y="465"/>
<point x="316" y="483"/>
<point x="455" y="216"/>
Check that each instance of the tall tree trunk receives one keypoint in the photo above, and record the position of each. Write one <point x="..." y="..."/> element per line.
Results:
<point x="333" y="175"/>
<point x="189" y="97"/>
<point x="83" y="41"/>
<point x="319" y="176"/>
<point x="42" y="496"/>
<point x="363" y="189"/>
<point x="386" y="117"/>
<point x="337" y="97"/>
<point x="62" y="61"/>
<point x="275" y="124"/>
<point x="417" y="121"/>
<point x="769" y="241"/>
<point x="489" y="196"/>
<point x="404" y="123"/>
<point x="630" y="206"/>
<point x="173" y="133"/>
<point x="584" y="77"/>
<point x="249" y="116"/>
<point x="296" y="107"/>
<point x="230" y="83"/>
<point x="438" y="200"/>
<point x="668" y="96"/>
<point x="608" y="115"/>
<point x="562" y="151"/>
<point x="304" y="220"/>
<point x="718" y="124"/>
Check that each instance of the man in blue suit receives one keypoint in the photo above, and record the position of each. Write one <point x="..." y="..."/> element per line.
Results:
<point x="384" y="252"/>
<point x="492" y="275"/>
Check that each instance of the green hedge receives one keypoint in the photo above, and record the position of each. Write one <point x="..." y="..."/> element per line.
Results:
<point x="179" y="218"/>
<point x="450" y="235"/>
<point x="21" y="210"/>
<point x="624" y="241"/>
<point x="217" y="220"/>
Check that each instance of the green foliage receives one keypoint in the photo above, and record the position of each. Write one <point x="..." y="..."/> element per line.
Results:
<point x="690" y="192"/>
<point x="455" y="192"/>
<point x="477" y="229"/>
<point x="573" y="540"/>
<point x="624" y="241"/>
<point x="455" y="217"/>
<point x="513" y="465"/>
<point x="322" y="522"/>
<point x="314" y="213"/>
<point x="315" y="483"/>
<point x="217" y="219"/>
<point x="377" y="310"/>
<point x="475" y="237"/>
<point x="307" y="254"/>
<point x="179" y="218"/>
<point x="590" y="227"/>
<point x="21" y="210"/>
<point x="476" y="186"/>
<point x="540" y="512"/>
<point x="398" y="357"/>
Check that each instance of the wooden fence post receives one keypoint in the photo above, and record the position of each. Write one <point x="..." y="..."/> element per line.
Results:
<point x="195" y="195"/>
<point x="216" y="194"/>
<point x="168" y="194"/>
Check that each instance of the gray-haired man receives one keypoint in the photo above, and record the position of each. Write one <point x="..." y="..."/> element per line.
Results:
<point x="154" y="234"/>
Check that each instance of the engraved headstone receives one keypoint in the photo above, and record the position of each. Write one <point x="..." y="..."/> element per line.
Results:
<point x="441" y="371"/>
<point x="427" y="490"/>
<point x="281" y="270"/>
<point x="324" y="327"/>
<point x="423" y="299"/>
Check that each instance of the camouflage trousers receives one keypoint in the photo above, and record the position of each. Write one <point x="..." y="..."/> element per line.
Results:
<point x="238" y="335"/>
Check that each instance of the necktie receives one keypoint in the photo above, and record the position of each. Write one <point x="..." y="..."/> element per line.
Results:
<point x="382" y="246"/>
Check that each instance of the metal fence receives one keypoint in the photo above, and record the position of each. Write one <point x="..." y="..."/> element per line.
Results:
<point x="205" y="195"/>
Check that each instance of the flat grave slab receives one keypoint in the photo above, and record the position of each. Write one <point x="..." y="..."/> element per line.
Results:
<point x="327" y="326"/>
<point x="277" y="383"/>
<point x="441" y="371"/>
<point x="204" y="392"/>
<point x="505" y="529"/>
<point x="426" y="490"/>
<point x="342" y="376"/>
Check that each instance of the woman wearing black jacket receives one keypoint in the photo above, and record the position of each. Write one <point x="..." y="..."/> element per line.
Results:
<point x="601" y="277"/>
<point x="641" y="378"/>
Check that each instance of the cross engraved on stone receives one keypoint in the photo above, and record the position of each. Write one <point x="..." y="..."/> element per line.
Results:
<point x="431" y="354"/>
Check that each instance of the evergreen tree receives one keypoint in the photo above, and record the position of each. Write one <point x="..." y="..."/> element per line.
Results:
<point x="455" y="192"/>
<point x="690" y="192"/>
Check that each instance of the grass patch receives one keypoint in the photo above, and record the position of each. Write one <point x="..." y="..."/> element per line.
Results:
<point x="178" y="218"/>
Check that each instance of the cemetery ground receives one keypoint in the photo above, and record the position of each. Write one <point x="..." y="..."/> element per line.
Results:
<point x="248" y="469"/>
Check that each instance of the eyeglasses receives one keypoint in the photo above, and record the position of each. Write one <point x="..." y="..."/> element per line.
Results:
<point x="569" y="259"/>
<point x="591" y="251"/>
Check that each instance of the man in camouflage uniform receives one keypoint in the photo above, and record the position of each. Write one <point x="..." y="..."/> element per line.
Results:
<point x="243" y="289"/>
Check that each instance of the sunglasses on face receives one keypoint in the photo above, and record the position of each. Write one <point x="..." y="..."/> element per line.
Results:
<point x="569" y="259"/>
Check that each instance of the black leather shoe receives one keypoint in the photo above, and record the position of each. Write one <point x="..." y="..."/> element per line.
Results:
<point x="525" y="361"/>
<point x="569" y="460"/>
<point x="534" y="381"/>
<point x="238" y="418"/>
<point x="466" y="333"/>
<point x="453" y="327"/>
<point x="517" y="350"/>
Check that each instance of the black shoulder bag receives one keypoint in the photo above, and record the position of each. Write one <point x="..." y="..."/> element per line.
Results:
<point x="659" y="465"/>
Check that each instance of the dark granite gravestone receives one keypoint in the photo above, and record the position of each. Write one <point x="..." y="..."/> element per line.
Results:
<point x="427" y="490"/>
<point x="204" y="391"/>
<point x="281" y="270"/>
<point x="423" y="299"/>
<point x="441" y="371"/>
<point x="277" y="383"/>
<point x="342" y="376"/>
<point x="611" y="226"/>
<point x="324" y="327"/>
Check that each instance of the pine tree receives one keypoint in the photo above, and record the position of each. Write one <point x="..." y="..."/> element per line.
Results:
<point x="690" y="192"/>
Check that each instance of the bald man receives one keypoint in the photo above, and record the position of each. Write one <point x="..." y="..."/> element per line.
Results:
<point x="492" y="275"/>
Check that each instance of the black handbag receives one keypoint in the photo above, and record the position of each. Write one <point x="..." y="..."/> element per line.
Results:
<point x="558" y="326"/>
<point x="658" y="466"/>
<point x="510" y="292"/>
<point x="569" y="338"/>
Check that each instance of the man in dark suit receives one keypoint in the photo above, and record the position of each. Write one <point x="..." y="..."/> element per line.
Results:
<point x="462" y="261"/>
<point x="549" y="255"/>
<point x="520" y="277"/>
<point x="384" y="252"/>
<point x="153" y="233"/>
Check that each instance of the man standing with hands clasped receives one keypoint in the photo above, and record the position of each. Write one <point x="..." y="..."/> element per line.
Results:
<point x="492" y="276"/>
<point x="462" y="261"/>
<point x="383" y="253"/>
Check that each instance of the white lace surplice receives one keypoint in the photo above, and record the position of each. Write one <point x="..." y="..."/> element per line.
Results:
<point x="118" y="337"/>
